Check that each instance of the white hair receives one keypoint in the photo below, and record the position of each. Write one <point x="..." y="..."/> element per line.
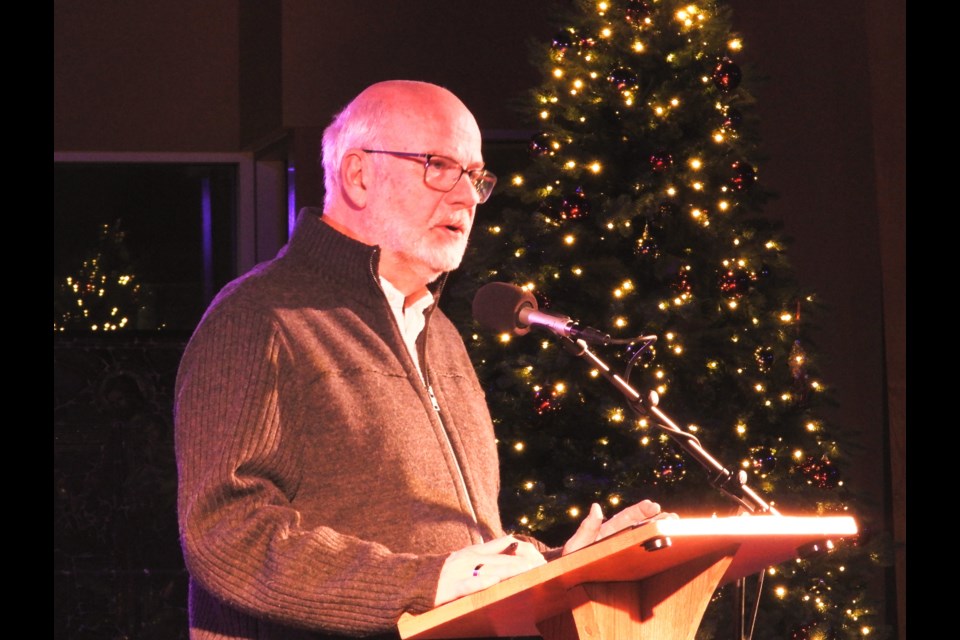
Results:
<point x="359" y="125"/>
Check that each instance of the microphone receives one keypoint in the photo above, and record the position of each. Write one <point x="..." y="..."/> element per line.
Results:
<point x="506" y="308"/>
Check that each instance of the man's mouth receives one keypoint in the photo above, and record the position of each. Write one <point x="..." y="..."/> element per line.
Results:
<point x="452" y="227"/>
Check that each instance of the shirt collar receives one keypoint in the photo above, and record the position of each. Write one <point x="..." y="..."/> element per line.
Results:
<point x="397" y="300"/>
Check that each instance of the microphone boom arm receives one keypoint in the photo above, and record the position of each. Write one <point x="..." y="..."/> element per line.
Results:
<point x="733" y="485"/>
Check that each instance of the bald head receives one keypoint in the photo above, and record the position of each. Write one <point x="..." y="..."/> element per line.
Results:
<point x="403" y="170"/>
<point x="399" y="115"/>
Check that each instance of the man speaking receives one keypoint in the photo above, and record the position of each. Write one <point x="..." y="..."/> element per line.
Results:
<point x="336" y="458"/>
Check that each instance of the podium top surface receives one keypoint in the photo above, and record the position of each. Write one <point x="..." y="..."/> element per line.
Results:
<point x="514" y="606"/>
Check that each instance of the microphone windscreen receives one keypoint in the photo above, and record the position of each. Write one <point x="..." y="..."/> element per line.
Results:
<point x="497" y="305"/>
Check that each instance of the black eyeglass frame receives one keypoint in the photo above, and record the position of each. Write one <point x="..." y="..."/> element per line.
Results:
<point x="477" y="176"/>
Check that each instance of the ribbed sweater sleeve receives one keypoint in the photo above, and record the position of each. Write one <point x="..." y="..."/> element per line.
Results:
<point x="243" y="540"/>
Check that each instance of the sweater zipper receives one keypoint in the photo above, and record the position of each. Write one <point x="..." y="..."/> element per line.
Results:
<point x="456" y="462"/>
<point x="433" y="401"/>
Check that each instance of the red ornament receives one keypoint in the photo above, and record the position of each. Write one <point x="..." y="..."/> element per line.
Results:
<point x="681" y="284"/>
<point x="820" y="472"/>
<point x="540" y="145"/>
<point x="637" y="11"/>
<point x="727" y="75"/>
<point x="735" y="282"/>
<point x="622" y="78"/>
<point x="671" y="467"/>
<point x="731" y="119"/>
<point x="668" y="209"/>
<point x="661" y="161"/>
<point x="743" y="176"/>
<point x="563" y="41"/>
<point x="587" y="43"/>
<point x="575" y="206"/>
<point x="765" y="358"/>
<point x="802" y="632"/>
<point x="545" y="401"/>
<point x="763" y="460"/>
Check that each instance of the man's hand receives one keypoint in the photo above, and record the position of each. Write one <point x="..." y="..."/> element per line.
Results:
<point x="483" y="565"/>
<point x="594" y="528"/>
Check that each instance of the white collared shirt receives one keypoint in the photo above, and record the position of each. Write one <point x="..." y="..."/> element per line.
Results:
<point x="410" y="319"/>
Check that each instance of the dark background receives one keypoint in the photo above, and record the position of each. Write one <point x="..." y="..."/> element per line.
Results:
<point x="226" y="76"/>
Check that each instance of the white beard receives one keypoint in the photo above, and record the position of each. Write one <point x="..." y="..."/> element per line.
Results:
<point x="430" y="251"/>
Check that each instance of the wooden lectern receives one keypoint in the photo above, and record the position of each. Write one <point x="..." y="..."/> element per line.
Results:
<point x="649" y="583"/>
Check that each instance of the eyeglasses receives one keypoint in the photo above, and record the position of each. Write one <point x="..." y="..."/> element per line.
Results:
<point x="443" y="173"/>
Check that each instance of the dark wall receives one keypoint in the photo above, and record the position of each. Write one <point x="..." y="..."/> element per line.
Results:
<point x="145" y="76"/>
<point x="333" y="50"/>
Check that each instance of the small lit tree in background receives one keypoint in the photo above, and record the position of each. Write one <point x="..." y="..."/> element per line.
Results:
<point x="118" y="570"/>
<point x="641" y="213"/>
<point x="103" y="295"/>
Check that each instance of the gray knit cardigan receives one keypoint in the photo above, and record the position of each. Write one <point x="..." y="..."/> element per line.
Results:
<point x="319" y="489"/>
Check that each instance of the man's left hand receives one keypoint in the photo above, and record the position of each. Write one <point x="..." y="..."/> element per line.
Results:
<point x="593" y="527"/>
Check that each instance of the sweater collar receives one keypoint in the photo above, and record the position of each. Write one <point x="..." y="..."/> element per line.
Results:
<point x="317" y="247"/>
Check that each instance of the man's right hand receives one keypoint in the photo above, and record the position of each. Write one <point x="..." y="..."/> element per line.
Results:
<point x="479" y="566"/>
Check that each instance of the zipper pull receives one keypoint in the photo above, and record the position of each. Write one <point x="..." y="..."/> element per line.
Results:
<point x="433" y="399"/>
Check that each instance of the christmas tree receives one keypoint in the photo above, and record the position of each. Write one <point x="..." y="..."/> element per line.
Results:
<point x="640" y="213"/>
<point x="103" y="295"/>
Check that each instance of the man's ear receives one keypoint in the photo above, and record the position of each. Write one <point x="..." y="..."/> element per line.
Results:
<point x="355" y="178"/>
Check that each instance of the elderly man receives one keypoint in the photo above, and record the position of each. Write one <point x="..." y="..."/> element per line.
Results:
<point x="337" y="464"/>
